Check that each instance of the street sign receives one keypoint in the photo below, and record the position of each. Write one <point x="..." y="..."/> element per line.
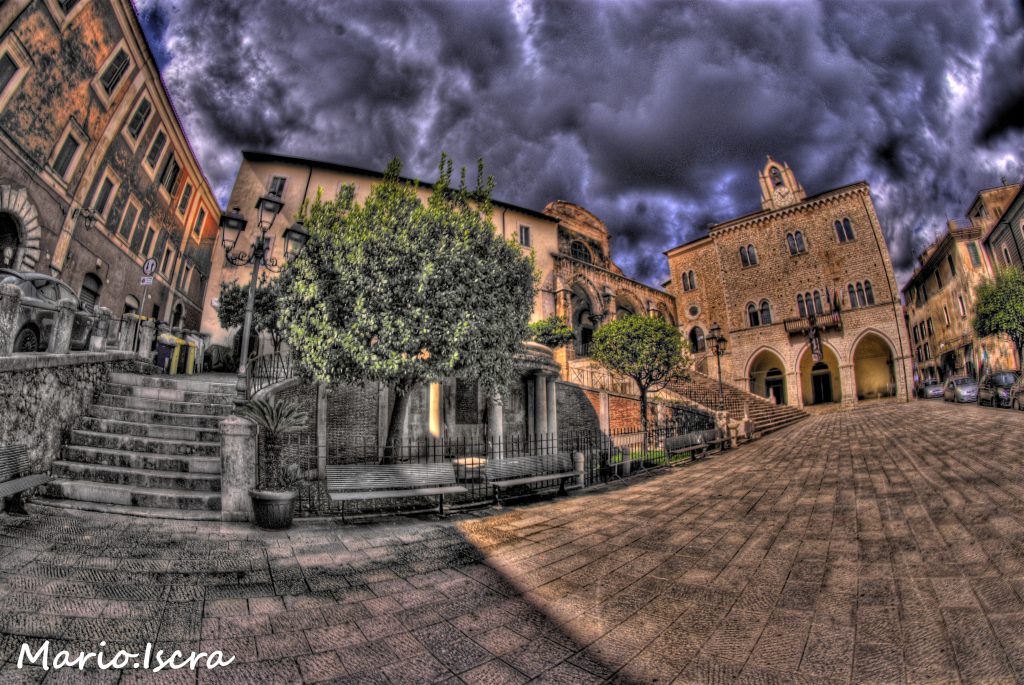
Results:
<point x="146" y="280"/>
<point x="149" y="268"/>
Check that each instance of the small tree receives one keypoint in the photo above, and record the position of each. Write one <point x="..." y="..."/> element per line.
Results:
<point x="231" y="311"/>
<point x="646" y="349"/>
<point x="999" y="307"/>
<point x="407" y="293"/>
<point x="552" y="331"/>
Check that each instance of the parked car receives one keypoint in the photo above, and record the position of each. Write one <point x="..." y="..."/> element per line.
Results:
<point x="994" y="389"/>
<point x="960" y="389"/>
<point x="929" y="389"/>
<point x="41" y="296"/>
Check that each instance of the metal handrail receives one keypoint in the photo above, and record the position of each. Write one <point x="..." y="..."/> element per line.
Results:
<point x="265" y="370"/>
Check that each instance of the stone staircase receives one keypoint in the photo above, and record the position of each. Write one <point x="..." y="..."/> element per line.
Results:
<point x="766" y="415"/>
<point x="148" y="446"/>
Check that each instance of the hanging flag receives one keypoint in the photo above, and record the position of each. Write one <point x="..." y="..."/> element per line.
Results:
<point x="828" y="297"/>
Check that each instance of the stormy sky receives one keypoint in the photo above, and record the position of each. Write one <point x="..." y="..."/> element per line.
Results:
<point x="655" y="116"/>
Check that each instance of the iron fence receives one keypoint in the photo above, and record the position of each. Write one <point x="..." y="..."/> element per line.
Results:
<point x="267" y="369"/>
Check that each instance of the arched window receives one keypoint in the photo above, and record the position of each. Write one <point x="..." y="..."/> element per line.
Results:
<point x="689" y="281"/>
<point x="752" y="316"/>
<point x="9" y="240"/>
<point x="800" y="306"/>
<point x="580" y="251"/>
<point x="861" y="301"/>
<point x="791" y="242"/>
<point x="131" y="305"/>
<point x="744" y="258"/>
<point x="844" y="230"/>
<point x="869" y="292"/>
<point x="776" y="176"/>
<point x="800" y="246"/>
<point x="840" y="235"/>
<point x="696" y="339"/>
<point x="752" y="255"/>
<point x="818" y="309"/>
<point x="853" y="296"/>
<point x="693" y="280"/>
<point x="90" y="292"/>
<point x="766" y="313"/>
<point x="177" y="315"/>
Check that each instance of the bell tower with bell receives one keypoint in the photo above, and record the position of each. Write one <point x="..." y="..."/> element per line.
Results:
<point x="778" y="186"/>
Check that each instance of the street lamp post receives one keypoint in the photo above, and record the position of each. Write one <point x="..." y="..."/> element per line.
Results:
<point x="717" y="341"/>
<point x="232" y="225"/>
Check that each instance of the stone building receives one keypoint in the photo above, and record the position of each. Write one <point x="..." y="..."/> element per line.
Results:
<point x="804" y="293"/>
<point x="96" y="174"/>
<point x="940" y="294"/>
<point x="1004" y="241"/>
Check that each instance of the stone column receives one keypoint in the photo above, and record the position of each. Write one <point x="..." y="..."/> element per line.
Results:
<point x="128" y="332"/>
<point x="147" y="331"/>
<point x="10" y="303"/>
<point x="540" y="405"/>
<point x="848" y="381"/>
<point x="60" y="342"/>
<point x="496" y="425"/>
<point x="98" y="339"/>
<point x="553" y="412"/>
<point x="238" y="446"/>
<point x="434" y="411"/>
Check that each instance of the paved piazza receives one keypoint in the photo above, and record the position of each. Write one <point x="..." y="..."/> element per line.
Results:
<point x="880" y="545"/>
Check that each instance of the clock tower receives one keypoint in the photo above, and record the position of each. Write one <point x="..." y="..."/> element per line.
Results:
<point x="778" y="186"/>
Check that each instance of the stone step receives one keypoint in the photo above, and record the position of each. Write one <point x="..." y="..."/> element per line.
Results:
<point x="146" y="478"/>
<point x="157" y="462"/>
<point x="131" y="443"/>
<point x="132" y="496"/>
<point x="171" y="394"/>
<point x="148" y="430"/>
<point x="143" y="512"/>
<point x="129" y="402"/>
<point x="149" y="417"/>
<point x="175" y="382"/>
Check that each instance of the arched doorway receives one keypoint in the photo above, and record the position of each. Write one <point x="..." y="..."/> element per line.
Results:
<point x="10" y="241"/>
<point x="874" y="368"/>
<point x="819" y="380"/>
<point x="178" y="315"/>
<point x="131" y="305"/>
<point x="90" y="292"/>
<point x="768" y="376"/>
<point x="583" y="323"/>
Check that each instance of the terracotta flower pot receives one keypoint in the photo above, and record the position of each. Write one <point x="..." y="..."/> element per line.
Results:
<point x="272" y="509"/>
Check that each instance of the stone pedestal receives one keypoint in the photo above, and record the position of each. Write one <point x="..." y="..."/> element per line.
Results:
<point x="129" y="331"/>
<point x="10" y="303"/>
<point x="579" y="461"/>
<point x="60" y="342"/>
<point x="238" y="454"/>
<point x="98" y="339"/>
<point x="540" y="405"/>
<point x="147" y="332"/>
<point x="495" y="426"/>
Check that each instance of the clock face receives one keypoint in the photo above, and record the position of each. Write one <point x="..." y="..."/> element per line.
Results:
<point x="782" y="194"/>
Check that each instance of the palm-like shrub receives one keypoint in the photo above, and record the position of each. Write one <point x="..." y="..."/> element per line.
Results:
<point x="275" y="419"/>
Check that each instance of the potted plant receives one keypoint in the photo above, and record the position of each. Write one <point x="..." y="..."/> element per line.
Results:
<point x="273" y="498"/>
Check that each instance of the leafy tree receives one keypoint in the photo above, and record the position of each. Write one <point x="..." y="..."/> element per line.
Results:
<point x="647" y="349"/>
<point x="999" y="307"/>
<point x="231" y="312"/>
<point x="552" y="331"/>
<point x="406" y="293"/>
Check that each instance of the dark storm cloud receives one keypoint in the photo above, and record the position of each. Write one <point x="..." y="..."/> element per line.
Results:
<point x="653" y="115"/>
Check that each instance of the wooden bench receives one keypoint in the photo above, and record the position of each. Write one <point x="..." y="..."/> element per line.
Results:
<point x="696" y="443"/>
<point x="16" y="479"/>
<point x="347" y="482"/>
<point x="505" y="473"/>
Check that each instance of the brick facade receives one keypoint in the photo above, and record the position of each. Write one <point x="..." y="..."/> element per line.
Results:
<point x="755" y="299"/>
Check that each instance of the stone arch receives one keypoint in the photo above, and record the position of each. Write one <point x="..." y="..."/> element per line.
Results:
<point x="874" y="365"/>
<point x="625" y="300"/>
<point x="766" y="374"/>
<point x="814" y="388"/>
<point x="16" y="203"/>
<point x="585" y="313"/>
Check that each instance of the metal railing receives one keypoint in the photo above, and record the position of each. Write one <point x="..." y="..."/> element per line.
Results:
<point x="265" y="370"/>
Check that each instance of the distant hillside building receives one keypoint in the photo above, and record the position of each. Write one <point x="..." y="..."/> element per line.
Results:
<point x="804" y="293"/>
<point x="940" y="294"/>
<point x="96" y="174"/>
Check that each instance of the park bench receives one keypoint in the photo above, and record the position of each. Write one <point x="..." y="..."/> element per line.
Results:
<point x="15" y="477"/>
<point x="506" y="473"/>
<point x="346" y="482"/>
<point x="694" y="443"/>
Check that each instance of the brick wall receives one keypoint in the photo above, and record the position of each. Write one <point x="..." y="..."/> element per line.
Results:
<point x="577" y="409"/>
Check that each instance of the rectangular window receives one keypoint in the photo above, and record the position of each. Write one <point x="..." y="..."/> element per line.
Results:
<point x="952" y="266"/>
<point x="186" y="277"/>
<point x="186" y="196"/>
<point x="139" y="119"/>
<point x="972" y="249"/>
<point x="938" y="279"/>
<point x="67" y="5"/>
<point x="103" y="196"/>
<point x="927" y="351"/>
<point x="8" y="69"/>
<point x="147" y="243"/>
<point x="168" y="262"/>
<point x="916" y="340"/>
<point x="524" y="236"/>
<point x="1006" y="255"/>
<point x="919" y="355"/>
<point x="945" y="314"/>
<point x="114" y="72"/>
<point x="931" y="330"/>
<point x="156" y="148"/>
<point x="963" y="309"/>
<point x="197" y="228"/>
<point x="66" y="155"/>
<point x="170" y="173"/>
<point x="131" y="213"/>
<point x="277" y="186"/>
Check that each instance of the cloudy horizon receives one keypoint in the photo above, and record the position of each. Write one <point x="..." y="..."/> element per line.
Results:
<point x="655" y="116"/>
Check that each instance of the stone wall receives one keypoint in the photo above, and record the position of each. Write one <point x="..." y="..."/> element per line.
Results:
<point x="578" y="409"/>
<point x="41" y="397"/>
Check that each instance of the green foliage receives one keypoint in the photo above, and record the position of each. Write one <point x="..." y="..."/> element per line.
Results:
<point x="274" y="419"/>
<point x="999" y="306"/>
<point x="552" y="331"/>
<point x="266" y="308"/>
<point x="647" y="349"/>
<point x="402" y="292"/>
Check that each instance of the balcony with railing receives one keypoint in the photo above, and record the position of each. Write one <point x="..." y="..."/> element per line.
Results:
<point x="801" y="324"/>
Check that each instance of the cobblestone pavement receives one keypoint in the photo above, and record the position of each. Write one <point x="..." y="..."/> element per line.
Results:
<point x="880" y="545"/>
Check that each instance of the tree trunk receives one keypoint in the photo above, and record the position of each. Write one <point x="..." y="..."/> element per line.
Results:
<point x="393" y="440"/>
<point x="643" y="415"/>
